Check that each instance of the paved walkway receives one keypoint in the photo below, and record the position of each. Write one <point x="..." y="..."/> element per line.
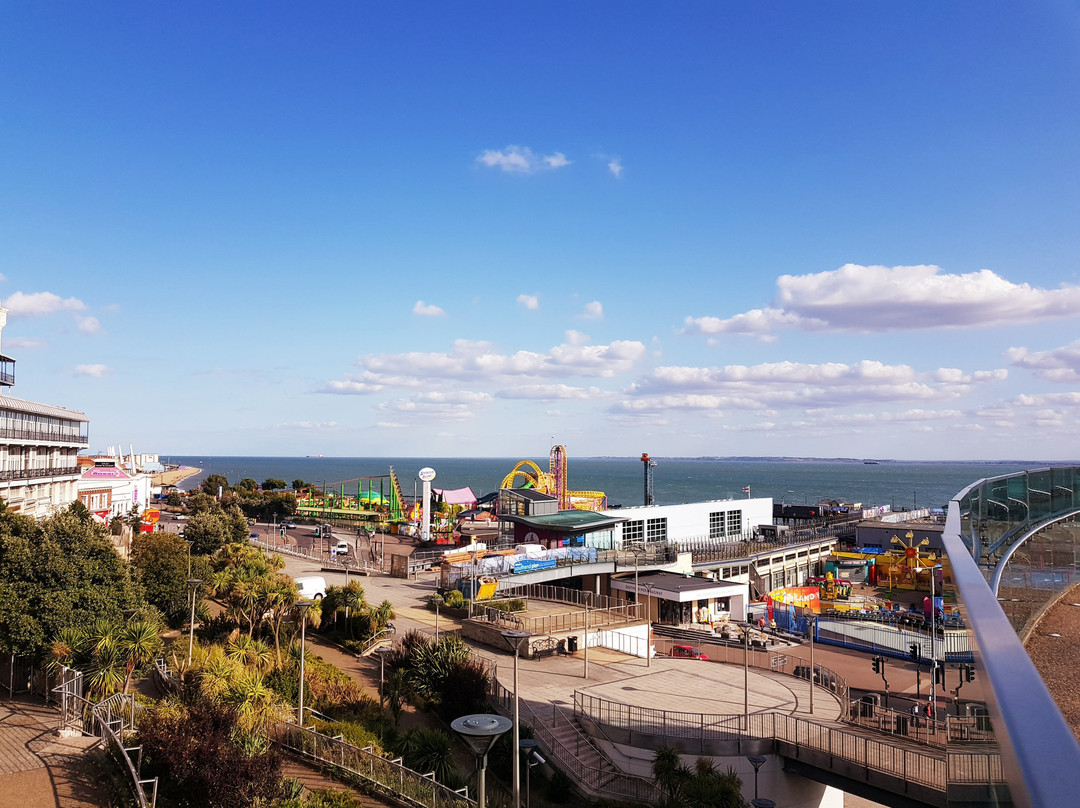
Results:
<point x="40" y="770"/>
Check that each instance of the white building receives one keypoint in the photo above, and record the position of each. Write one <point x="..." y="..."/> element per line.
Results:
<point x="722" y="519"/>
<point x="108" y="490"/>
<point x="39" y="446"/>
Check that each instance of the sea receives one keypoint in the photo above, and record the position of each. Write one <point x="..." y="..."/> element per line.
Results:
<point x="895" y="483"/>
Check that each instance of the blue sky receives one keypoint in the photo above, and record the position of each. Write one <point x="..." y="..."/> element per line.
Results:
<point x="433" y="229"/>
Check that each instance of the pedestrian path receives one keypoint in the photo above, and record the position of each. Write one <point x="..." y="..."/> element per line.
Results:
<point x="39" y="769"/>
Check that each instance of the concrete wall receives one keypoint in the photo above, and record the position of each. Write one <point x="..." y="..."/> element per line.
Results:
<point x="691" y="520"/>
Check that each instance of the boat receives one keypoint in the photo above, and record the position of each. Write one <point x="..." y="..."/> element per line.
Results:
<point x="871" y="462"/>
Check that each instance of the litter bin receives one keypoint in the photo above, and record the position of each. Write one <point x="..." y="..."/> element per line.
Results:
<point x="571" y="644"/>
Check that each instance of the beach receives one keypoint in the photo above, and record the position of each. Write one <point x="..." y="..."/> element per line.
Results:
<point x="174" y="476"/>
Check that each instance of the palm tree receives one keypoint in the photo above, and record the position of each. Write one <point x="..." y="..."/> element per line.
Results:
<point x="106" y="670"/>
<point x="669" y="771"/>
<point x="138" y="643"/>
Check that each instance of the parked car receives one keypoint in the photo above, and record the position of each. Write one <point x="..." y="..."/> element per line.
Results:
<point x="253" y="536"/>
<point x="312" y="588"/>
<point x="289" y="525"/>
<point x="687" y="652"/>
<point x="341" y="548"/>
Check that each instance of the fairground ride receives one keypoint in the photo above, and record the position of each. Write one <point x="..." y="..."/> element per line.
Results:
<point x="377" y="501"/>
<point x="553" y="482"/>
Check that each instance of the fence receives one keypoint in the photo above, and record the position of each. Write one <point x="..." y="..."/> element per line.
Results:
<point x="600" y="781"/>
<point x="112" y="720"/>
<point x="383" y="776"/>
<point x="931" y="769"/>
<point x="353" y="564"/>
<point x="950" y="645"/>
<point x="554" y="623"/>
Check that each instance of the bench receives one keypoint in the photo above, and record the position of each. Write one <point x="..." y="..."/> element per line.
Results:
<point x="547" y="646"/>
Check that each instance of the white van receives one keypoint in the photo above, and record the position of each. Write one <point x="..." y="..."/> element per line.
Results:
<point x="312" y="588"/>
<point x="341" y="549"/>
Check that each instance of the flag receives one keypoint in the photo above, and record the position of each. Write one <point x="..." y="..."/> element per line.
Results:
<point x="746" y="489"/>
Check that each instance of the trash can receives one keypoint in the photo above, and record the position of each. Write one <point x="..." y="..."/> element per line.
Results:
<point x="571" y="644"/>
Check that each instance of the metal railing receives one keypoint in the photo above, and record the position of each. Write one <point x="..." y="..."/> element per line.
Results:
<point x="932" y="769"/>
<point x="55" y="435"/>
<point x="387" y="777"/>
<point x="353" y="564"/>
<point x="555" y="623"/>
<point x="33" y="474"/>
<point x="559" y="594"/>
<point x="599" y="781"/>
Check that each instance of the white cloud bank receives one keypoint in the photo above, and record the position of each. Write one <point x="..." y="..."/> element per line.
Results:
<point x="1057" y="365"/>
<point x="38" y="303"/>
<point x="521" y="160"/>
<point x="421" y="309"/>
<point x="531" y="302"/>
<point x="902" y="298"/>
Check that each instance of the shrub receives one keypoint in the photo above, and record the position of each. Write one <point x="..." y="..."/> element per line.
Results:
<point x="454" y="599"/>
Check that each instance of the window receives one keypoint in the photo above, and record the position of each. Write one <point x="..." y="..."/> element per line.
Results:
<point x="716" y="525"/>
<point x="633" y="531"/>
<point x="656" y="529"/>
<point x="734" y="523"/>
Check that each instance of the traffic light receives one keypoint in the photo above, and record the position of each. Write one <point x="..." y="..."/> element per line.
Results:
<point x="283" y="533"/>
<point x="915" y="652"/>
<point x="877" y="664"/>
<point x="969" y="673"/>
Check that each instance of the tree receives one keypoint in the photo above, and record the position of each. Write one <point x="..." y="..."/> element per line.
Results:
<point x="58" y="573"/>
<point x="139" y="643"/>
<point x="195" y="752"/>
<point x="299" y="485"/>
<point x="207" y="532"/>
<point x="273" y="484"/>
<point x="212" y="483"/>
<point x="669" y="771"/>
<point x="160" y="562"/>
<point x="247" y="485"/>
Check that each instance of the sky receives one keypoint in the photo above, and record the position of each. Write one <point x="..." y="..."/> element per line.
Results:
<point x="840" y="229"/>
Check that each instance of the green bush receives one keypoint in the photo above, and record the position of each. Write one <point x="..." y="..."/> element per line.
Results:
<point x="513" y="605"/>
<point x="454" y="599"/>
<point x="560" y="788"/>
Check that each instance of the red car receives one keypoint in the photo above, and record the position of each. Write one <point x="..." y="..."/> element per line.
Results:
<point x="687" y="652"/>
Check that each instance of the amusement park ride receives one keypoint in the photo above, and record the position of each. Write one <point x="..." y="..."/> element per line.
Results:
<point x="553" y="482"/>
<point x="378" y="504"/>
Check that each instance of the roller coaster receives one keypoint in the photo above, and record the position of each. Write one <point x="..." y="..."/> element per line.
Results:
<point x="378" y="501"/>
<point x="554" y="482"/>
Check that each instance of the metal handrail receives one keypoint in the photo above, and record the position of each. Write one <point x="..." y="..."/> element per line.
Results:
<point x="381" y="775"/>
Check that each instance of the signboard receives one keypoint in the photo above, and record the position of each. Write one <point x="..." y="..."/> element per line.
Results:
<point x="529" y="564"/>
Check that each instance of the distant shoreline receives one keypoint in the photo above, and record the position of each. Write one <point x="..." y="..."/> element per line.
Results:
<point x="174" y="476"/>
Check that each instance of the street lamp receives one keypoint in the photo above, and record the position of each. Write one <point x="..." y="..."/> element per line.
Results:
<point x="382" y="652"/>
<point x="757" y="761"/>
<point x="188" y="543"/>
<point x="648" y="624"/>
<point x="762" y="803"/>
<point x="480" y="731"/>
<point x="194" y="584"/>
<point x="516" y="637"/>
<point x="746" y="675"/>
<point x="527" y="747"/>
<point x="813" y="672"/>
<point x="933" y="643"/>
<point x="303" y="606"/>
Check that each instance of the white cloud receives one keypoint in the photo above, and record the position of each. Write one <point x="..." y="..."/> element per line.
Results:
<point x="901" y="298"/>
<point x="787" y="385"/>
<point x="29" y="343"/>
<point x="423" y="310"/>
<point x="1057" y="365"/>
<point x="89" y="325"/>
<point x="521" y="160"/>
<point x="615" y="166"/>
<point x="93" y="371"/>
<point x="573" y="337"/>
<point x="456" y="406"/>
<point x="531" y="302"/>
<point x="552" y="392"/>
<point x="311" y="425"/>
<point x="593" y="311"/>
<point x="38" y="303"/>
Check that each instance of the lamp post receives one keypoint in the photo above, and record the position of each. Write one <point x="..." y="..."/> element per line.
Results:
<point x="480" y="731"/>
<point x="527" y="747"/>
<point x="585" y="638"/>
<point x="382" y="652"/>
<point x="516" y="637"/>
<point x="194" y="584"/>
<point x="188" y="543"/>
<point x="757" y="761"/>
<point x="933" y="644"/>
<point x="303" y="605"/>
<point x="746" y="675"/>
<point x="648" y="624"/>
<point x="813" y="672"/>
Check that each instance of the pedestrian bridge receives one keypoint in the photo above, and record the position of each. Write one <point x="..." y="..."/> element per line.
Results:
<point x="986" y="524"/>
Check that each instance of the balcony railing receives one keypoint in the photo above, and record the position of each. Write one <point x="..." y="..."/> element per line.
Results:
<point x="57" y="435"/>
<point x="32" y="474"/>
